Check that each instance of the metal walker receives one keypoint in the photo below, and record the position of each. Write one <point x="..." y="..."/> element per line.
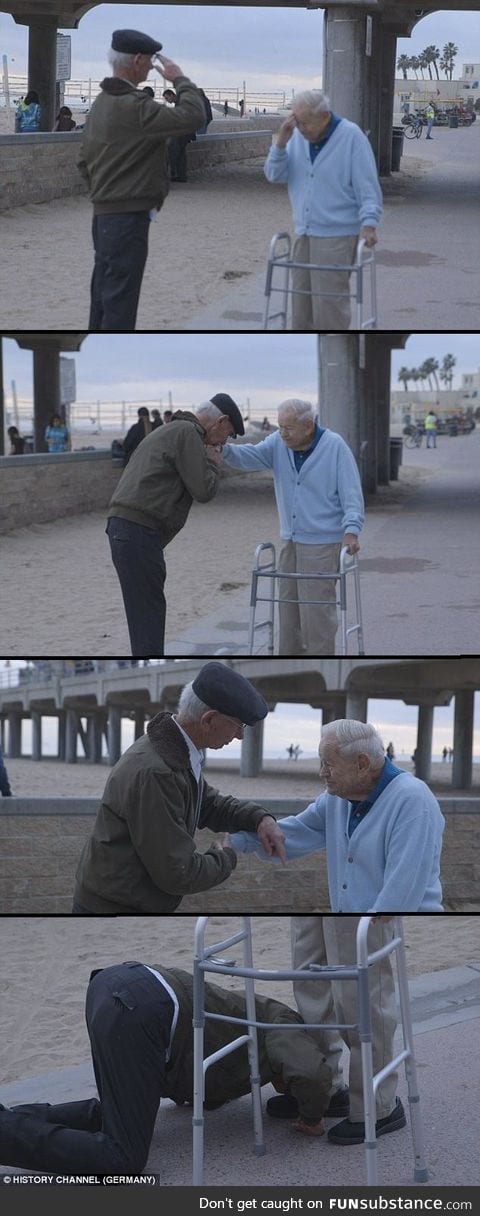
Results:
<point x="281" y="259"/>
<point x="267" y="569"/>
<point x="207" y="961"/>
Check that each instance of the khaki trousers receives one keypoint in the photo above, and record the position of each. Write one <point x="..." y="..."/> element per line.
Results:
<point x="307" y="628"/>
<point x="328" y="941"/>
<point x="312" y="311"/>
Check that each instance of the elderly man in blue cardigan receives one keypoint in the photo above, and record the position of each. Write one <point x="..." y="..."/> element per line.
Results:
<point x="382" y="830"/>
<point x="329" y="168"/>
<point x="320" y="504"/>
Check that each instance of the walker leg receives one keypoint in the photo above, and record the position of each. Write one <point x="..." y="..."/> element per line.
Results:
<point x="198" y="1076"/>
<point x="255" y="1084"/>
<point x="420" y="1173"/>
<point x="358" y="612"/>
<point x="369" y="1103"/>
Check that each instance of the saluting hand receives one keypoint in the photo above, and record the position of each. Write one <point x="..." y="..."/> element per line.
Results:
<point x="167" y="68"/>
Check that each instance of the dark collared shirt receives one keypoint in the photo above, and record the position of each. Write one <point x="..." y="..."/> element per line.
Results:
<point x="360" y="809"/>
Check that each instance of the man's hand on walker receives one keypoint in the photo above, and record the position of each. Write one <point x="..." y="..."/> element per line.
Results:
<point x="383" y="919"/>
<point x="351" y="542"/>
<point x="369" y="235"/>
<point x="272" y="839"/>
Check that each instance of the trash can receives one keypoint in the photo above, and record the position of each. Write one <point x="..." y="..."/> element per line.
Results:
<point x="397" y="148"/>
<point x="396" y="453"/>
<point x="453" y="121"/>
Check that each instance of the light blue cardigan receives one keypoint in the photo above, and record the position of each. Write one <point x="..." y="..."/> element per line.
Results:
<point x="321" y="501"/>
<point x="391" y="863"/>
<point x="339" y="193"/>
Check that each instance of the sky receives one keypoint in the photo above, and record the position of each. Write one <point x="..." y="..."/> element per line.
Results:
<point x="300" y="724"/>
<point x="270" y="49"/>
<point x="266" y="368"/>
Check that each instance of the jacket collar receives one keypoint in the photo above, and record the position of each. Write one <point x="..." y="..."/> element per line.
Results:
<point x="168" y="741"/>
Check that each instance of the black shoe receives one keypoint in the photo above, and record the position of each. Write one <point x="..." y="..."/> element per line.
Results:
<point x="283" y="1106"/>
<point x="354" y="1133"/>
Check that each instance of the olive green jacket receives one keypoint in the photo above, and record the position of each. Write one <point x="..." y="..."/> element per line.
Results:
<point x="141" y="856"/>
<point x="169" y="469"/>
<point x="123" y="154"/>
<point x="291" y="1056"/>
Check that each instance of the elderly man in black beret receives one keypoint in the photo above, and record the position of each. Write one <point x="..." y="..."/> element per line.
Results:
<point x="141" y="857"/>
<point x="124" y="162"/>
<point x="168" y="470"/>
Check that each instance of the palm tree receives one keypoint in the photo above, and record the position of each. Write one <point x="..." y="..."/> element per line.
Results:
<point x="405" y="376"/>
<point x="446" y="373"/>
<point x="415" y="64"/>
<point x="427" y="56"/>
<point x="447" y="61"/>
<point x="404" y="64"/>
<point x="423" y="374"/>
<point x="422" y="63"/>
<point x="430" y="368"/>
<point x="432" y="53"/>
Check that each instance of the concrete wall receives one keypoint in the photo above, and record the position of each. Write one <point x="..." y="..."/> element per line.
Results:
<point x="39" y="854"/>
<point x="38" y="168"/>
<point x="44" y="487"/>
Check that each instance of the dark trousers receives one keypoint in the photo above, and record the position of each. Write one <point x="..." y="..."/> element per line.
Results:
<point x="138" y="559"/>
<point x="177" y="157"/>
<point x="121" y="249"/>
<point x="129" y="1018"/>
<point x="4" y="782"/>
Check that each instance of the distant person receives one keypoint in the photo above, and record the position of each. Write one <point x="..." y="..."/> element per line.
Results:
<point x="391" y="751"/>
<point x="147" y="88"/>
<point x="329" y="167"/>
<point x="430" y="426"/>
<point x="123" y="161"/>
<point x="225" y="109"/>
<point x="241" y="108"/>
<point x="28" y="115"/>
<point x="167" y="415"/>
<point x="65" y="120"/>
<point x="5" y="790"/>
<point x="17" y="443"/>
<point x="430" y="117"/>
<point x="290" y="751"/>
<point x="265" y="424"/>
<point x="56" y="434"/>
<point x="157" y="419"/>
<point x="208" y="114"/>
<point x="178" y="144"/>
<point x="444" y="754"/>
<point x="172" y="467"/>
<point x="136" y="433"/>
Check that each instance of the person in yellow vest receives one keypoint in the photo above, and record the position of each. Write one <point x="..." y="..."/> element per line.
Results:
<point x="430" y="425"/>
<point x="430" y="117"/>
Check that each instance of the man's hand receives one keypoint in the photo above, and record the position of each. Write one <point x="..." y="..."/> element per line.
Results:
<point x="369" y="235"/>
<point x="214" y="454"/>
<point x="167" y="68"/>
<point x="384" y="920"/>
<point x="272" y="839"/>
<point x="351" y="542"/>
<point x="286" y="131"/>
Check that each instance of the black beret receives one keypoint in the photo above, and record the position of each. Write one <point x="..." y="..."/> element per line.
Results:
<point x="227" y="406"/>
<point x="132" y="42"/>
<point x="229" y="693"/>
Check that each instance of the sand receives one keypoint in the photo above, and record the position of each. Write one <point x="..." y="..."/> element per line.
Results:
<point x="46" y="962"/>
<point x="214" y="229"/>
<point x="209" y="560"/>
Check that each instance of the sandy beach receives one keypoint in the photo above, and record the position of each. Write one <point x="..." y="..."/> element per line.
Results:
<point x="210" y="559"/>
<point x="213" y="229"/>
<point x="46" y="962"/>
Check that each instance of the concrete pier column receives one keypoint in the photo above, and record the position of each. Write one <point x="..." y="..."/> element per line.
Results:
<point x="114" y="733"/>
<point x="139" y="723"/>
<point x="341" y="390"/>
<point x="381" y="375"/>
<point x="46" y="382"/>
<point x="387" y="92"/>
<point x="94" y="738"/>
<point x="71" y="735"/>
<point x="42" y="67"/>
<point x="2" y="735"/>
<point x="252" y="751"/>
<point x="463" y="740"/>
<point x="14" y="735"/>
<point x="36" y="735"/>
<point x="423" y="765"/>
<point x="330" y="713"/>
<point x="345" y="62"/>
<point x="61" y="736"/>
<point x="357" y="706"/>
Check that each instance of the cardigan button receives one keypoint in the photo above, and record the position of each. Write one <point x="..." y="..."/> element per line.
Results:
<point x="344" y="886"/>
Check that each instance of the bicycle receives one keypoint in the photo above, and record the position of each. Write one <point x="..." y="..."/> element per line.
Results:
<point x="413" y="436"/>
<point x="413" y="128"/>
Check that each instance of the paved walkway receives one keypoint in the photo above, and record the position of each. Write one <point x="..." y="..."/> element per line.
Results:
<point x="446" y="1018"/>
<point x="429" y="246"/>
<point x="419" y="570"/>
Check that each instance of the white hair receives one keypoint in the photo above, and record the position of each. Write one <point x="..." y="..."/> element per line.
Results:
<point x="119" y="59"/>
<point x="314" y="100"/>
<point x="208" y="412"/>
<point x="190" y="707"/>
<point x="355" y="738"/>
<point x="302" y="409"/>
